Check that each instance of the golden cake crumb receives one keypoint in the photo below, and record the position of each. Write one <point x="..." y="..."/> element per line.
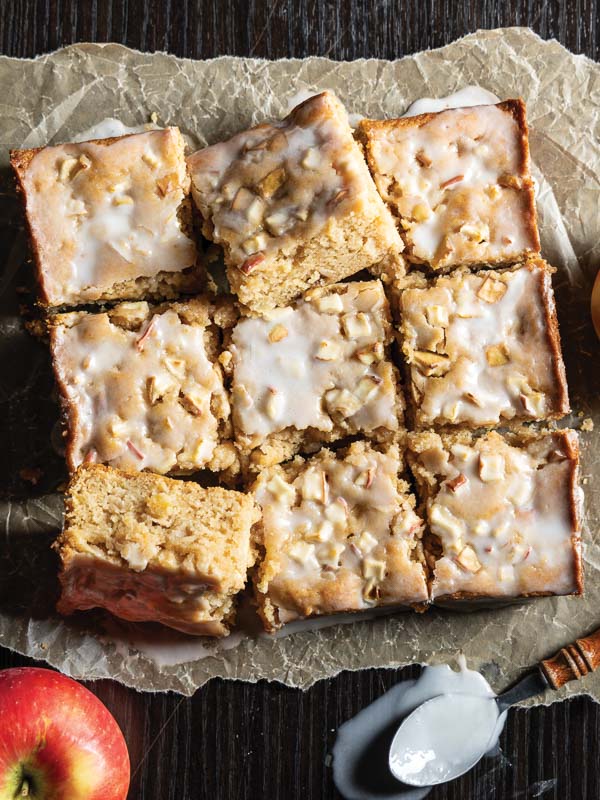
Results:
<point x="149" y="548"/>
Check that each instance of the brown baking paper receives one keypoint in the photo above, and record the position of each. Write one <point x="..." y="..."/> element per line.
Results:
<point x="55" y="97"/>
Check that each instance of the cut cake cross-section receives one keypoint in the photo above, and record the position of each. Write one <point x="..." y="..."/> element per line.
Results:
<point x="148" y="548"/>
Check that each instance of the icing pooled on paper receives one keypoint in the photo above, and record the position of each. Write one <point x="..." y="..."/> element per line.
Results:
<point x="463" y="98"/>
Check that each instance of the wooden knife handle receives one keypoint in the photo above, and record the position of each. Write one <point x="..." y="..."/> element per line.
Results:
<point x="573" y="661"/>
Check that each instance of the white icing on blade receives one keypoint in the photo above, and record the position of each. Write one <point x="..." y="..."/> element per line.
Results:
<point x="444" y="738"/>
<point x="360" y="753"/>
<point x="109" y="127"/>
<point x="464" y="98"/>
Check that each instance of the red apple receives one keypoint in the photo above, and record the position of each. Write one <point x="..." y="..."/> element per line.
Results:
<point x="57" y="740"/>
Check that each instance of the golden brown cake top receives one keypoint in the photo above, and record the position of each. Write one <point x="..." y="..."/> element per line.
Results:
<point x="105" y="212"/>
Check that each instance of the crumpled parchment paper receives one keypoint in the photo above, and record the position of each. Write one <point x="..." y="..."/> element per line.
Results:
<point x="51" y="99"/>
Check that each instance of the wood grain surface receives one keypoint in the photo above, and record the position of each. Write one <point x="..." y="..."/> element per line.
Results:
<point x="235" y="741"/>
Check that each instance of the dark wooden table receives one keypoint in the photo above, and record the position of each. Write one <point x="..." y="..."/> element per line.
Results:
<point x="264" y="741"/>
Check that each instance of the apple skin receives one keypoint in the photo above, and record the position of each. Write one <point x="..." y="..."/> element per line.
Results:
<point x="59" y="737"/>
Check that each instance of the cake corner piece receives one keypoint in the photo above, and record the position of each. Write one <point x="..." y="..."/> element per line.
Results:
<point x="503" y="513"/>
<point x="109" y="219"/>
<point x="458" y="182"/>
<point x="151" y="549"/>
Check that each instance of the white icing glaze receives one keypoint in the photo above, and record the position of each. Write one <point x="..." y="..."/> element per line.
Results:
<point x="457" y="183"/>
<point x="129" y="394"/>
<point x="503" y="517"/>
<point x="496" y="362"/>
<point x="463" y="98"/>
<point x="117" y="205"/>
<point x="110" y="127"/>
<point x="286" y="383"/>
<point x="340" y="529"/>
<point x="366" y="738"/>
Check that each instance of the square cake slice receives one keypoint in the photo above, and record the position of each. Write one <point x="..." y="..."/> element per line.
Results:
<point x="339" y="533"/>
<point x="109" y="219"/>
<point x="148" y="548"/>
<point x="458" y="182"/>
<point x="141" y="387"/>
<point x="293" y="204"/>
<point x="483" y="349"/>
<point x="503" y="512"/>
<point x="316" y="371"/>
